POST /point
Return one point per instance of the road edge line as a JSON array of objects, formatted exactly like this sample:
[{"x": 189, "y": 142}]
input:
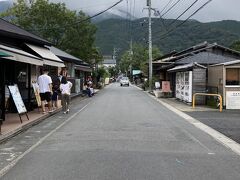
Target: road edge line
[
  {"x": 15, "y": 161},
  {"x": 221, "y": 138}
]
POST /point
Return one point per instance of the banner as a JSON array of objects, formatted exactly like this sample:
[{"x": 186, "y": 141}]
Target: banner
[{"x": 17, "y": 99}]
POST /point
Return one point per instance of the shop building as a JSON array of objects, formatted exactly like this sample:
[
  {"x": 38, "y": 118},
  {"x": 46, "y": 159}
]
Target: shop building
[
  {"x": 226, "y": 77},
  {"x": 23, "y": 55},
  {"x": 76, "y": 69},
  {"x": 174, "y": 67}
]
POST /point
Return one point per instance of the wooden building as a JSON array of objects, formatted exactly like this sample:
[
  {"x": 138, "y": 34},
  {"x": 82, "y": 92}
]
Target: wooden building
[
  {"x": 204, "y": 54},
  {"x": 226, "y": 77},
  {"x": 24, "y": 54}
]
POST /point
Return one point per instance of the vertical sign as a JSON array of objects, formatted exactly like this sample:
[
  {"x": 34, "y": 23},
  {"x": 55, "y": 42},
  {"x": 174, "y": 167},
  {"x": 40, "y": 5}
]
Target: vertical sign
[
  {"x": 36, "y": 93},
  {"x": 166, "y": 86}
]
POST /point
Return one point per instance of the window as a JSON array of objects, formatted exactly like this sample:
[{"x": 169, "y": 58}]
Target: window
[{"x": 232, "y": 76}]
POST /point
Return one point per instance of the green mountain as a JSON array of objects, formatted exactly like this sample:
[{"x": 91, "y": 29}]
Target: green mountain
[
  {"x": 4, "y": 5},
  {"x": 116, "y": 33}
]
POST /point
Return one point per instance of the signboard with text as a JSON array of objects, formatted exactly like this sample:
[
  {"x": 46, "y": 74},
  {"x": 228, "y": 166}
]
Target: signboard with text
[
  {"x": 36, "y": 93},
  {"x": 17, "y": 99},
  {"x": 233, "y": 100}
]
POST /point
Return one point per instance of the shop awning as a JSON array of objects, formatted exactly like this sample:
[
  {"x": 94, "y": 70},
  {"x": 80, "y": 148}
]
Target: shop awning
[
  {"x": 83, "y": 68},
  {"x": 20, "y": 56},
  {"x": 48, "y": 57},
  {"x": 186, "y": 67},
  {"x": 3, "y": 54}
]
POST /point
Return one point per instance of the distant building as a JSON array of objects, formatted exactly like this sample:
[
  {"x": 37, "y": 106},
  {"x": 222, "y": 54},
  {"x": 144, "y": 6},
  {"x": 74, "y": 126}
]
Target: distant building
[{"x": 108, "y": 61}]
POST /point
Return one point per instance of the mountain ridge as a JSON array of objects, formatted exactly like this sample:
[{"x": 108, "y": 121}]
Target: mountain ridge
[{"x": 116, "y": 33}]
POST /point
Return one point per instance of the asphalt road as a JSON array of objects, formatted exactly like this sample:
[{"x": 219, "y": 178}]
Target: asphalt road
[
  {"x": 226, "y": 122},
  {"x": 123, "y": 134}
]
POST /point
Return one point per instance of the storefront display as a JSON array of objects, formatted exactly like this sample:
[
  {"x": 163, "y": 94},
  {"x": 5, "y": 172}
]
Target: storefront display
[{"x": 184, "y": 86}]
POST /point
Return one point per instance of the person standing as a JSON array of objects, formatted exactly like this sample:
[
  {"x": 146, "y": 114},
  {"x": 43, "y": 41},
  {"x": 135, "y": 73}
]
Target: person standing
[
  {"x": 55, "y": 88},
  {"x": 45, "y": 89},
  {"x": 65, "y": 88}
]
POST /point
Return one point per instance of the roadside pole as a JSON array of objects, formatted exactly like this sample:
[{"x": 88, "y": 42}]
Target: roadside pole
[{"x": 150, "y": 42}]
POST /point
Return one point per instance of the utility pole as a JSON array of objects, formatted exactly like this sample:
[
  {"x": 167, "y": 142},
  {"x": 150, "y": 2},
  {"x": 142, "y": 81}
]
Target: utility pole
[
  {"x": 131, "y": 56},
  {"x": 149, "y": 4}
]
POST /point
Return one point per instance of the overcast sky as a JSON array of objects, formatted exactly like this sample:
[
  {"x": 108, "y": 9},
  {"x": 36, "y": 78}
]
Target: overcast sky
[{"x": 214, "y": 11}]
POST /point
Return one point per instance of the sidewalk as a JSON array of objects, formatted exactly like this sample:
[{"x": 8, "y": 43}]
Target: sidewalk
[
  {"x": 226, "y": 122},
  {"x": 12, "y": 126}
]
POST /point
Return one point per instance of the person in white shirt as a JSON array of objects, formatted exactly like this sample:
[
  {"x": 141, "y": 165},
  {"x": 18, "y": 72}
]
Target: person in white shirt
[
  {"x": 65, "y": 88},
  {"x": 45, "y": 89}
]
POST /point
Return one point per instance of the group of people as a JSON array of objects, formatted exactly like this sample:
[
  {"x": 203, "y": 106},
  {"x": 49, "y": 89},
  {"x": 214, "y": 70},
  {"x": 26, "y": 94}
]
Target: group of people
[{"x": 53, "y": 89}]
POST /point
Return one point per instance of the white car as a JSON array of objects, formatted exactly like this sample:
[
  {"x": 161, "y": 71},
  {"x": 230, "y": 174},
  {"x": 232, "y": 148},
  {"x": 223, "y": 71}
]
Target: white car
[{"x": 124, "y": 81}]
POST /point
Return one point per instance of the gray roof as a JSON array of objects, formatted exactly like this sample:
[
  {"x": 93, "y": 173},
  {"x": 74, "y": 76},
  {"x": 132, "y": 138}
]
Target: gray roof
[
  {"x": 10, "y": 30},
  {"x": 205, "y": 58},
  {"x": 228, "y": 63},
  {"x": 63, "y": 54},
  {"x": 186, "y": 67}
]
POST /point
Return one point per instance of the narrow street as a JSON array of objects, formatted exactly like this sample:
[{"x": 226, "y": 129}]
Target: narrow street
[{"x": 123, "y": 134}]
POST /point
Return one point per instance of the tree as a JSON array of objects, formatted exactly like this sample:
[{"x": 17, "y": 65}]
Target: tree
[
  {"x": 138, "y": 59},
  {"x": 113, "y": 71},
  {"x": 235, "y": 45},
  {"x": 66, "y": 29}
]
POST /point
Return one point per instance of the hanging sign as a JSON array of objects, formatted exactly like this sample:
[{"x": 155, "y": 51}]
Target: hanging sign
[
  {"x": 36, "y": 93},
  {"x": 17, "y": 99}
]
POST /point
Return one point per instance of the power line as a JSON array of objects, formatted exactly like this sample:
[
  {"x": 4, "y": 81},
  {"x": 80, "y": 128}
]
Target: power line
[
  {"x": 163, "y": 36},
  {"x": 171, "y": 8},
  {"x": 78, "y": 22},
  {"x": 183, "y": 12},
  {"x": 169, "y": 2}
]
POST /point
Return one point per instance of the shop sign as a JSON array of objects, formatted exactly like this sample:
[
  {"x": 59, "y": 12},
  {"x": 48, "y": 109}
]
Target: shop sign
[
  {"x": 233, "y": 100},
  {"x": 36, "y": 93},
  {"x": 17, "y": 99},
  {"x": 166, "y": 86}
]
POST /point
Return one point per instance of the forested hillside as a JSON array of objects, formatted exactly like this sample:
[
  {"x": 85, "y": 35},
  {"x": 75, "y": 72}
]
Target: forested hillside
[{"x": 116, "y": 33}]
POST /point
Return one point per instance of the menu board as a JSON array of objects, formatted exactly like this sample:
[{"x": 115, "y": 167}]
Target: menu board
[
  {"x": 36, "y": 93},
  {"x": 17, "y": 99}
]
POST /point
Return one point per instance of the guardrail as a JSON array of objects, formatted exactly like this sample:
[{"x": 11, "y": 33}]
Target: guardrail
[{"x": 206, "y": 94}]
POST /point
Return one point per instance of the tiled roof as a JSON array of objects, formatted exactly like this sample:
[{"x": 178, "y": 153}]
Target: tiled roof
[
  {"x": 63, "y": 54},
  {"x": 11, "y": 30},
  {"x": 185, "y": 67},
  {"x": 204, "y": 58}
]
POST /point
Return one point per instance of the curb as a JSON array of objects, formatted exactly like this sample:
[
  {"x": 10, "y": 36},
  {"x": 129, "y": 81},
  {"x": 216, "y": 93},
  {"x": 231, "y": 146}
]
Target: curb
[{"x": 11, "y": 134}]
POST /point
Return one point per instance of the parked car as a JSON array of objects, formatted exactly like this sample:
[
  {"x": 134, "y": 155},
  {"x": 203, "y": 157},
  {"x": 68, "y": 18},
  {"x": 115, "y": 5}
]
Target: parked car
[{"x": 124, "y": 81}]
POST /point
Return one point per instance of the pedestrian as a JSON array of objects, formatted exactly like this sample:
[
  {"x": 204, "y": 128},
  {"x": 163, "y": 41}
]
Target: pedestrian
[
  {"x": 65, "y": 88},
  {"x": 56, "y": 91},
  {"x": 45, "y": 89}
]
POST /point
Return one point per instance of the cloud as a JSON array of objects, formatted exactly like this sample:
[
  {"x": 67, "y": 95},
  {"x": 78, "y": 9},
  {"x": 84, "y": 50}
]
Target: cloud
[{"x": 214, "y": 11}]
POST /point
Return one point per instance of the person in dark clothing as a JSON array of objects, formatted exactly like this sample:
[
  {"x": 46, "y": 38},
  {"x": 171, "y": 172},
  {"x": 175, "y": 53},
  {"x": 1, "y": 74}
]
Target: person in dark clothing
[{"x": 56, "y": 91}]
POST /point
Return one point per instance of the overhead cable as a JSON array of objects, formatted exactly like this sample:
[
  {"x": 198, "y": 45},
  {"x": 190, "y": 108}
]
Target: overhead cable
[
  {"x": 81, "y": 21},
  {"x": 183, "y": 12},
  {"x": 163, "y": 36},
  {"x": 170, "y": 8}
]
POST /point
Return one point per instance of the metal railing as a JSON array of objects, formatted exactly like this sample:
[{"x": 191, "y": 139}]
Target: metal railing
[{"x": 206, "y": 94}]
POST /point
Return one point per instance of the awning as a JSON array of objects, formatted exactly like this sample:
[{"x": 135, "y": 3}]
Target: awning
[
  {"x": 83, "y": 68},
  {"x": 186, "y": 67},
  {"x": 20, "y": 56},
  {"x": 48, "y": 57},
  {"x": 3, "y": 54}
]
